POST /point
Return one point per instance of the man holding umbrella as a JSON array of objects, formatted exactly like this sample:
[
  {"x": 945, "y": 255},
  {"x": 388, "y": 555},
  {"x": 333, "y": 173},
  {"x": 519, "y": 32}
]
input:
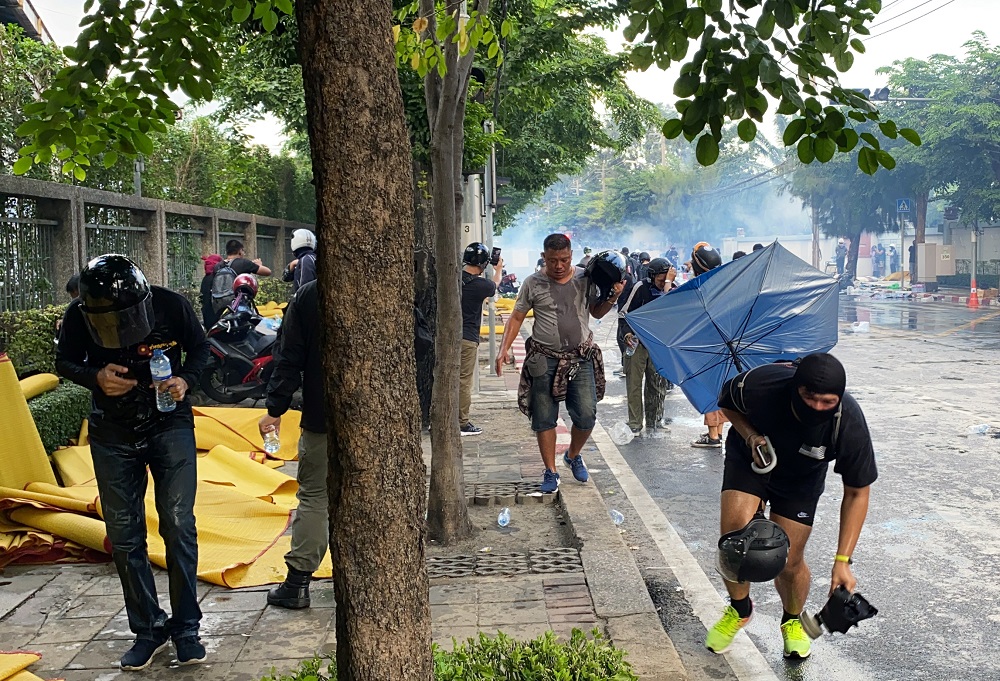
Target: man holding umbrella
[{"x": 798, "y": 418}]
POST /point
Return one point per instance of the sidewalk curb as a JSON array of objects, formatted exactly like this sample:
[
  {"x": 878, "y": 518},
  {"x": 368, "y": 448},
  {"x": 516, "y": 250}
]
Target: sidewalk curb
[{"x": 617, "y": 587}]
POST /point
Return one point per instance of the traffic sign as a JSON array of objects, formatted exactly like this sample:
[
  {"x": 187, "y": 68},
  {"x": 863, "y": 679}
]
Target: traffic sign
[{"x": 902, "y": 205}]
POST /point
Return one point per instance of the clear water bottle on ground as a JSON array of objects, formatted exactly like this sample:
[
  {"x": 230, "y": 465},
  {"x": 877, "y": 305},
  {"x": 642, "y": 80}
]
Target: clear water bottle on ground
[
  {"x": 631, "y": 344},
  {"x": 980, "y": 429},
  {"x": 616, "y": 517},
  {"x": 621, "y": 434},
  {"x": 271, "y": 442},
  {"x": 503, "y": 520},
  {"x": 159, "y": 367}
]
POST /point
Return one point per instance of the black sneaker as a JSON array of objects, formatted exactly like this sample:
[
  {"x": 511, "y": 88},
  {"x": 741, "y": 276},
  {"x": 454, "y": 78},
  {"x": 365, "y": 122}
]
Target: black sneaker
[
  {"x": 190, "y": 650},
  {"x": 635, "y": 431},
  {"x": 469, "y": 429},
  {"x": 141, "y": 654},
  {"x": 708, "y": 443}
]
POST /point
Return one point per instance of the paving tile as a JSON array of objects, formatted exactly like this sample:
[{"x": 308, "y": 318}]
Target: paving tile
[
  {"x": 443, "y": 636},
  {"x": 70, "y": 630},
  {"x": 447, "y": 594},
  {"x": 233, "y": 601},
  {"x": 521, "y": 632},
  {"x": 506, "y": 593},
  {"x": 111, "y": 674},
  {"x": 577, "y": 602},
  {"x": 55, "y": 656},
  {"x": 17, "y": 636},
  {"x": 105, "y": 654},
  {"x": 116, "y": 627},
  {"x": 105, "y": 586},
  {"x": 228, "y": 623},
  {"x": 518, "y": 612},
  {"x": 285, "y": 634},
  {"x": 254, "y": 670},
  {"x": 94, "y": 606},
  {"x": 210, "y": 671},
  {"x": 322, "y": 598},
  {"x": 454, "y": 615},
  {"x": 222, "y": 648},
  {"x": 564, "y": 580}
]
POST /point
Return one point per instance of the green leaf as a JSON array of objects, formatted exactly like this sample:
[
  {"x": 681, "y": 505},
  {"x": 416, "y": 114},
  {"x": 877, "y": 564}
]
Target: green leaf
[
  {"x": 285, "y": 7},
  {"x": 888, "y": 129},
  {"x": 29, "y": 128},
  {"x": 241, "y": 13},
  {"x": 765, "y": 25},
  {"x": 885, "y": 159},
  {"x": 672, "y": 128},
  {"x": 707, "y": 151},
  {"x": 79, "y": 173},
  {"x": 805, "y": 150},
  {"x": 262, "y": 8},
  {"x": 858, "y": 46},
  {"x": 784, "y": 14},
  {"x": 910, "y": 135},
  {"x": 825, "y": 148},
  {"x": 747, "y": 130},
  {"x": 636, "y": 24},
  {"x": 871, "y": 140},
  {"x": 769, "y": 70},
  {"x": 505, "y": 28},
  {"x": 493, "y": 50},
  {"x": 270, "y": 21},
  {"x": 847, "y": 140},
  {"x": 642, "y": 56},
  {"x": 687, "y": 85},
  {"x": 794, "y": 131},
  {"x": 867, "y": 161},
  {"x": 844, "y": 60},
  {"x": 143, "y": 144},
  {"x": 23, "y": 165}
]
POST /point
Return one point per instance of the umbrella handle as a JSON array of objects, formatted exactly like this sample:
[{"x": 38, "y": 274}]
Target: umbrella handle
[{"x": 764, "y": 458}]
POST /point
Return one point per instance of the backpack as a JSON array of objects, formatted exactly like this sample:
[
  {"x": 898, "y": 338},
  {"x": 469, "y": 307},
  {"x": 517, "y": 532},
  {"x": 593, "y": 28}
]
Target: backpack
[{"x": 222, "y": 286}]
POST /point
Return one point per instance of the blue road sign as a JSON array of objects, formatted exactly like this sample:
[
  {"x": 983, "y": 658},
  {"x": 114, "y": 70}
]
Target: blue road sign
[{"x": 902, "y": 205}]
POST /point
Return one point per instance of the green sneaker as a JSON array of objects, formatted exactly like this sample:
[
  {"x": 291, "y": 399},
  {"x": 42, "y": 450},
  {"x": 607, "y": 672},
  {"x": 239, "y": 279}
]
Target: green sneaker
[
  {"x": 797, "y": 642},
  {"x": 721, "y": 636}
]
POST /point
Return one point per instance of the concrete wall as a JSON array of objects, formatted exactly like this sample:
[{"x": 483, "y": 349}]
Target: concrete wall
[{"x": 66, "y": 204}]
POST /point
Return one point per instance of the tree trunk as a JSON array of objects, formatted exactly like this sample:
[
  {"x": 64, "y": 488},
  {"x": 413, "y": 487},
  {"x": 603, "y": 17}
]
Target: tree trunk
[
  {"x": 920, "y": 201},
  {"x": 361, "y": 162},
  {"x": 425, "y": 283},
  {"x": 448, "y": 514},
  {"x": 851, "y": 268}
]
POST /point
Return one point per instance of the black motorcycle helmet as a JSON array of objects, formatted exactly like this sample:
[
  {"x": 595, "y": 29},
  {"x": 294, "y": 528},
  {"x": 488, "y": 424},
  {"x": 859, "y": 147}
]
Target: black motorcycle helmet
[
  {"x": 476, "y": 255},
  {"x": 704, "y": 258},
  {"x": 656, "y": 267},
  {"x": 606, "y": 269},
  {"x": 116, "y": 301},
  {"x": 757, "y": 553},
  {"x": 644, "y": 257}
]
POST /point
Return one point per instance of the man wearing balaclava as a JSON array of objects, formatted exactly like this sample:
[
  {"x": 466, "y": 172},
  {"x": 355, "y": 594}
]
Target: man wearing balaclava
[{"x": 810, "y": 421}]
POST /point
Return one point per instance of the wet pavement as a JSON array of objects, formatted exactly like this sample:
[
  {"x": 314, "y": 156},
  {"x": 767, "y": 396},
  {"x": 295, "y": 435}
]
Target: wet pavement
[{"x": 924, "y": 373}]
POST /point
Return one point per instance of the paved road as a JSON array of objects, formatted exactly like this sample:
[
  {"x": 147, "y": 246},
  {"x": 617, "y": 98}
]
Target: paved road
[{"x": 924, "y": 373}]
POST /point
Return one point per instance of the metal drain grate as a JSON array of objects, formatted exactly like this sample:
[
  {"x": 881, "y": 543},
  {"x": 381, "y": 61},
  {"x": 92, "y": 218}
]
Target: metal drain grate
[
  {"x": 557, "y": 560},
  {"x": 539, "y": 561},
  {"x": 507, "y": 493}
]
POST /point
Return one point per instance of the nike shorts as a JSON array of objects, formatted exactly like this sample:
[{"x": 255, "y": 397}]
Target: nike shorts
[{"x": 800, "y": 507}]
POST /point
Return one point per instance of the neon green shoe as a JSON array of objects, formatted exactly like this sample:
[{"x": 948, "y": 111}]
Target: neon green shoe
[
  {"x": 721, "y": 636},
  {"x": 797, "y": 642}
]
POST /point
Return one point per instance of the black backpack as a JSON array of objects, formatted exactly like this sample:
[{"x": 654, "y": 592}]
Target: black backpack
[{"x": 222, "y": 286}]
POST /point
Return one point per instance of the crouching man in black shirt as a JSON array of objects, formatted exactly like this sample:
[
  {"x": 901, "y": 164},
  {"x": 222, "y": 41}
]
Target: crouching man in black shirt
[
  {"x": 107, "y": 338},
  {"x": 810, "y": 421}
]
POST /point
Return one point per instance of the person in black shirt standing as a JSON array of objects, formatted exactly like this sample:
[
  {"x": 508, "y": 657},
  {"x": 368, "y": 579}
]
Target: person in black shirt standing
[
  {"x": 107, "y": 338},
  {"x": 810, "y": 421},
  {"x": 297, "y": 362},
  {"x": 475, "y": 289}
]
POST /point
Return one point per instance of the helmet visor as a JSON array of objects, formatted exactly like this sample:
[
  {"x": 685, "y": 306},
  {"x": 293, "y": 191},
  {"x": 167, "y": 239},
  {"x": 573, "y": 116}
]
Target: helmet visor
[
  {"x": 729, "y": 558},
  {"x": 121, "y": 328}
]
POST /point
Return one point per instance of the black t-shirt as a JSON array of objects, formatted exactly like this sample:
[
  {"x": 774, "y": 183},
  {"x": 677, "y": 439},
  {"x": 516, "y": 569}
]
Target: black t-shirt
[
  {"x": 475, "y": 290},
  {"x": 765, "y": 399},
  {"x": 242, "y": 265},
  {"x": 130, "y": 417}
]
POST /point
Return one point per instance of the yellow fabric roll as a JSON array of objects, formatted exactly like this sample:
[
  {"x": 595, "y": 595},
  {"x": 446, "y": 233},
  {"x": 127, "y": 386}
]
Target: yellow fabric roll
[
  {"x": 242, "y": 423},
  {"x": 22, "y": 458},
  {"x": 33, "y": 386},
  {"x": 485, "y": 330},
  {"x": 84, "y": 437},
  {"x": 14, "y": 663},
  {"x": 74, "y": 465},
  {"x": 223, "y": 466},
  {"x": 81, "y": 529}
]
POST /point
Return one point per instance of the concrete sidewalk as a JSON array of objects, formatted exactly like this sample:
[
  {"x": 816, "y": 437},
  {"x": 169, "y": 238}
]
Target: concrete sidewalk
[{"x": 73, "y": 614}]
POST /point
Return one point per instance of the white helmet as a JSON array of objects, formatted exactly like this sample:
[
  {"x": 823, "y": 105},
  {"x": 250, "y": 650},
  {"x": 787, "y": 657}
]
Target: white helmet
[
  {"x": 302, "y": 238},
  {"x": 840, "y": 241}
]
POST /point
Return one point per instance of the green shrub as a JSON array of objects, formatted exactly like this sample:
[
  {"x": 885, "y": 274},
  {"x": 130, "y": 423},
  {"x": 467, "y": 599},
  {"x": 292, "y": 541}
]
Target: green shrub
[
  {"x": 272, "y": 288},
  {"x": 505, "y": 659},
  {"x": 59, "y": 413},
  {"x": 28, "y": 337}
]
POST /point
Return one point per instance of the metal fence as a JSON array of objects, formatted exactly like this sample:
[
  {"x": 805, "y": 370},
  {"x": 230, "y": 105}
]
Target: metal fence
[
  {"x": 110, "y": 230},
  {"x": 267, "y": 247},
  {"x": 27, "y": 259},
  {"x": 183, "y": 253},
  {"x": 229, "y": 230}
]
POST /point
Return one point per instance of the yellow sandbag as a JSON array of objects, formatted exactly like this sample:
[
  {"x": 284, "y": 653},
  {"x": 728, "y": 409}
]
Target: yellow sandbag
[
  {"x": 22, "y": 456},
  {"x": 33, "y": 386},
  {"x": 15, "y": 662},
  {"x": 485, "y": 330},
  {"x": 242, "y": 423}
]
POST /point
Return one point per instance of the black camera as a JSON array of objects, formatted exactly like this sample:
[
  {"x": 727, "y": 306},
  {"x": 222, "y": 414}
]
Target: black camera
[{"x": 843, "y": 611}]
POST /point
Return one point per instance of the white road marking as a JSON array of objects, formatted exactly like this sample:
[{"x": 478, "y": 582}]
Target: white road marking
[{"x": 743, "y": 657}]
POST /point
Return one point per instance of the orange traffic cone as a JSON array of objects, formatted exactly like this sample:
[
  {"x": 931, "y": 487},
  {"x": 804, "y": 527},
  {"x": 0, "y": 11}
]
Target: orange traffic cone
[{"x": 973, "y": 297}]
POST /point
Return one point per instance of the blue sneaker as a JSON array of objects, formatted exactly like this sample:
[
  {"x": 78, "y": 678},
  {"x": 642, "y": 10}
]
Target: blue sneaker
[
  {"x": 550, "y": 482},
  {"x": 141, "y": 654},
  {"x": 189, "y": 650},
  {"x": 578, "y": 467}
]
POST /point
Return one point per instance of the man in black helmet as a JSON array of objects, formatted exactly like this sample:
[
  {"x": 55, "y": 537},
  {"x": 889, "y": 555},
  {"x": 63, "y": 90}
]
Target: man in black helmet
[
  {"x": 475, "y": 289},
  {"x": 810, "y": 420},
  {"x": 107, "y": 339}
]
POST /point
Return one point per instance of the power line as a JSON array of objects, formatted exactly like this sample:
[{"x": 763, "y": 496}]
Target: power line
[
  {"x": 912, "y": 9},
  {"x": 912, "y": 20}
]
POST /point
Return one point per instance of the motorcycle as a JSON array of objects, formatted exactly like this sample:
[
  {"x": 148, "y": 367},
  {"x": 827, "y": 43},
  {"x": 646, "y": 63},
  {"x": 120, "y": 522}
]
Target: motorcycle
[{"x": 241, "y": 343}]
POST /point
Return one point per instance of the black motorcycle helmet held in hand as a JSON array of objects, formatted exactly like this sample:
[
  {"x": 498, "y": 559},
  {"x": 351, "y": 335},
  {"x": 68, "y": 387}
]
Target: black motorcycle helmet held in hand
[
  {"x": 476, "y": 254},
  {"x": 756, "y": 553},
  {"x": 604, "y": 270},
  {"x": 116, "y": 301}
]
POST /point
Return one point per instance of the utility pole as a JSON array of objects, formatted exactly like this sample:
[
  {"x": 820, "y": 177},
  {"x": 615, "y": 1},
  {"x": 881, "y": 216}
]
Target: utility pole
[
  {"x": 815, "y": 229},
  {"x": 490, "y": 204},
  {"x": 138, "y": 168}
]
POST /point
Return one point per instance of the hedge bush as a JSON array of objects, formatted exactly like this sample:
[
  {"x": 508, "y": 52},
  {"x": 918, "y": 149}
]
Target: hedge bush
[
  {"x": 28, "y": 337},
  {"x": 505, "y": 659},
  {"x": 59, "y": 413},
  {"x": 272, "y": 288}
]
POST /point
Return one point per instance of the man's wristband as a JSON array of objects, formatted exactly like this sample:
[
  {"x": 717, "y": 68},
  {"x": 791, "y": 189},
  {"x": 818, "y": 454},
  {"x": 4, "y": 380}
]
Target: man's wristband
[{"x": 841, "y": 558}]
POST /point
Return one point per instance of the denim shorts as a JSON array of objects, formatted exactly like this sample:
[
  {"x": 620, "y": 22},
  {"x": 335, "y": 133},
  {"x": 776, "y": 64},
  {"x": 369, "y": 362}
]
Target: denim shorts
[{"x": 581, "y": 395}]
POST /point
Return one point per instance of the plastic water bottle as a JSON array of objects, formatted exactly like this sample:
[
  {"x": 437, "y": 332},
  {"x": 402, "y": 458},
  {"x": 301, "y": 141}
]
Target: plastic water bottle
[
  {"x": 980, "y": 429},
  {"x": 631, "y": 344},
  {"x": 503, "y": 520},
  {"x": 159, "y": 367},
  {"x": 616, "y": 517},
  {"x": 271, "y": 442}
]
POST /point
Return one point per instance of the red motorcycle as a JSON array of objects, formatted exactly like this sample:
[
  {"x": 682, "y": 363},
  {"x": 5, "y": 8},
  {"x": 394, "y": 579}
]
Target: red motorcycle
[{"x": 241, "y": 343}]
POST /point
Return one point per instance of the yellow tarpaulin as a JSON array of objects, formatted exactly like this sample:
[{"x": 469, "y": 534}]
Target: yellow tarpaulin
[
  {"x": 13, "y": 666},
  {"x": 242, "y": 508},
  {"x": 33, "y": 386}
]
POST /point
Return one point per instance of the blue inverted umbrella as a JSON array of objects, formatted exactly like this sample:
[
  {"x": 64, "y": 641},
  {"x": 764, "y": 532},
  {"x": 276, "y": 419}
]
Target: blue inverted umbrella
[{"x": 766, "y": 306}]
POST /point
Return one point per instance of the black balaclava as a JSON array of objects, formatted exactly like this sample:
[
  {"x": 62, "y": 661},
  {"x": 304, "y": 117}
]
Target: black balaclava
[{"x": 822, "y": 374}]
